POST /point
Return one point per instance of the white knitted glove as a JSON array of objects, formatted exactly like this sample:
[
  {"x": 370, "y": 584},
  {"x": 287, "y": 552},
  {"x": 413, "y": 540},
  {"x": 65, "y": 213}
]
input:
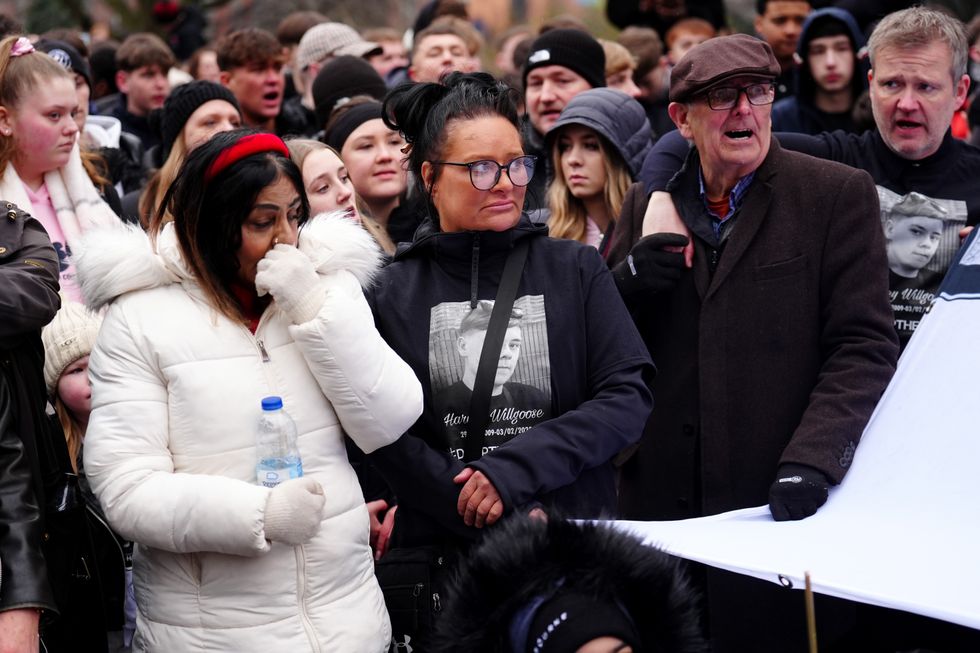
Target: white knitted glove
[
  {"x": 290, "y": 277},
  {"x": 294, "y": 510}
]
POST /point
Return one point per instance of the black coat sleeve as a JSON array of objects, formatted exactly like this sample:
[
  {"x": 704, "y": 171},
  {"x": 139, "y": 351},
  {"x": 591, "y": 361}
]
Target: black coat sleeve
[
  {"x": 663, "y": 161},
  {"x": 28, "y": 275}
]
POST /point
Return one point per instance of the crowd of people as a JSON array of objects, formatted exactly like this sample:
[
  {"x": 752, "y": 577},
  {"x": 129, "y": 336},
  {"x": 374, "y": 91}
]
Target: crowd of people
[{"x": 652, "y": 278}]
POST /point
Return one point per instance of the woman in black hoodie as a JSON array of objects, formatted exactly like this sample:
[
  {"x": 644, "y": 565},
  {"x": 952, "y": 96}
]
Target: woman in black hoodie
[{"x": 565, "y": 389}]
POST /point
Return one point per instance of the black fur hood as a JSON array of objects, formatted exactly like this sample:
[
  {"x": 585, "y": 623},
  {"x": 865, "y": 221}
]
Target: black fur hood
[{"x": 525, "y": 558}]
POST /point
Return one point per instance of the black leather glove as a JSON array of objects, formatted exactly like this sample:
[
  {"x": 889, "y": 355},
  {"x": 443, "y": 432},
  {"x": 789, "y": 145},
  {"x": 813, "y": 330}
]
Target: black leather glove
[
  {"x": 649, "y": 268},
  {"x": 797, "y": 493}
]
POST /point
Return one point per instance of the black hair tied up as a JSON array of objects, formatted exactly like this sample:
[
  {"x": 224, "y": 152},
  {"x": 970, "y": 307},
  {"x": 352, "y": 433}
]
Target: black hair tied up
[{"x": 422, "y": 111}]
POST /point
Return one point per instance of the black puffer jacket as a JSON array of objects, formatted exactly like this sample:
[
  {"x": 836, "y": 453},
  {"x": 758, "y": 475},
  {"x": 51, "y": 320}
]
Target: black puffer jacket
[{"x": 526, "y": 558}]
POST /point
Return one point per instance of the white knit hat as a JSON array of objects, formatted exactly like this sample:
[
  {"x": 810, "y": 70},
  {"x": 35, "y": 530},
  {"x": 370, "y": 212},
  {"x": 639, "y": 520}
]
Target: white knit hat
[{"x": 69, "y": 336}]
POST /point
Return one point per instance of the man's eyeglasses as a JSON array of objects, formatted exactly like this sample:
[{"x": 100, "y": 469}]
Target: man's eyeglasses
[
  {"x": 485, "y": 174},
  {"x": 726, "y": 97}
]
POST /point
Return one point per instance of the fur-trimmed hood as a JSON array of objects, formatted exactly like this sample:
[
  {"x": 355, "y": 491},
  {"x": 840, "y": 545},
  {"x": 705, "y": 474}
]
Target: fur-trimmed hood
[
  {"x": 523, "y": 559},
  {"x": 119, "y": 259}
]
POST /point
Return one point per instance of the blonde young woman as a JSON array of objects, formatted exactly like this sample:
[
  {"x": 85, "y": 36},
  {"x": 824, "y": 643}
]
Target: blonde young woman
[
  {"x": 41, "y": 169},
  {"x": 597, "y": 147},
  {"x": 191, "y": 115},
  {"x": 329, "y": 188}
]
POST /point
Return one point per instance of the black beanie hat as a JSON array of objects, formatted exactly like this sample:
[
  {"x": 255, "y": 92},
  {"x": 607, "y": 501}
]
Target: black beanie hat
[
  {"x": 180, "y": 104},
  {"x": 341, "y": 79},
  {"x": 571, "y": 620},
  {"x": 353, "y": 118},
  {"x": 69, "y": 58},
  {"x": 571, "y": 48}
]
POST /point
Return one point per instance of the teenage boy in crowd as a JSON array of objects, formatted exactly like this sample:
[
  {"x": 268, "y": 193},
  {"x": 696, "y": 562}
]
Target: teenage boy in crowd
[
  {"x": 779, "y": 23},
  {"x": 684, "y": 35},
  {"x": 829, "y": 79},
  {"x": 393, "y": 53},
  {"x": 251, "y": 62},
  {"x": 652, "y": 75},
  {"x": 448, "y": 44},
  {"x": 142, "y": 64}
]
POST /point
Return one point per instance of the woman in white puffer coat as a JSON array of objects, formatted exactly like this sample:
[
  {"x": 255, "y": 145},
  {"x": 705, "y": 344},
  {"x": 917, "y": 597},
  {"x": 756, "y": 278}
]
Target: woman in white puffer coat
[{"x": 217, "y": 311}]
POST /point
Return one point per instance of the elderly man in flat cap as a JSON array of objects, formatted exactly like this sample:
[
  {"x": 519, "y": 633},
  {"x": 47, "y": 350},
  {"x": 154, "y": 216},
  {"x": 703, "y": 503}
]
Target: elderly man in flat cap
[{"x": 774, "y": 348}]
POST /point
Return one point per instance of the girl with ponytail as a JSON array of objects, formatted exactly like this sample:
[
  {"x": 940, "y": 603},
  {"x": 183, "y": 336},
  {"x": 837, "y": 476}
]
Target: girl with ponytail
[{"x": 41, "y": 169}]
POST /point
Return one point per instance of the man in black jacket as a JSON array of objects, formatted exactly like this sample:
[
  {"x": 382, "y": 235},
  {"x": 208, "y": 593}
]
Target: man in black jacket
[{"x": 28, "y": 301}]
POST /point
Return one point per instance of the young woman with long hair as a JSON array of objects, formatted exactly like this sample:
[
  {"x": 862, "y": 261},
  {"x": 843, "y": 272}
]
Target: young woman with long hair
[
  {"x": 41, "y": 168},
  {"x": 597, "y": 147},
  {"x": 329, "y": 187}
]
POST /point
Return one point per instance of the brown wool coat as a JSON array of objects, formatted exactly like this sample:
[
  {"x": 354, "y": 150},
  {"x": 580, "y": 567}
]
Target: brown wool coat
[{"x": 778, "y": 357}]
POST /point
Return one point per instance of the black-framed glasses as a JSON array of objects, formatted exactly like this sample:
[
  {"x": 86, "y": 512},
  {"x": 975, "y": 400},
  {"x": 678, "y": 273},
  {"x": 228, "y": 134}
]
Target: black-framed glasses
[
  {"x": 485, "y": 174},
  {"x": 726, "y": 97}
]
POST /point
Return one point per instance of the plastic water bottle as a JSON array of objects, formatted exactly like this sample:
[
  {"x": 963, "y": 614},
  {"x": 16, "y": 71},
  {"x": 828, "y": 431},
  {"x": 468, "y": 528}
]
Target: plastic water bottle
[{"x": 276, "y": 448}]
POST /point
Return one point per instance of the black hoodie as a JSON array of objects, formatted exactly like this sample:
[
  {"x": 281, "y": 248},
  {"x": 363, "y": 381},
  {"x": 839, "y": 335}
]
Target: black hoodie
[
  {"x": 799, "y": 112},
  {"x": 578, "y": 350}
]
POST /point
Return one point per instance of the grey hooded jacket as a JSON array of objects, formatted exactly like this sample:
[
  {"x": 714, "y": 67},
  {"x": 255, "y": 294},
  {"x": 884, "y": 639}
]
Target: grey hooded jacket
[{"x": 617, "y": 117}]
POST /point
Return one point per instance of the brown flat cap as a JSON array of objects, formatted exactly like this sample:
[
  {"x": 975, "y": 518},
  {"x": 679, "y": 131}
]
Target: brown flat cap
[{"x": 718, "y": 59}]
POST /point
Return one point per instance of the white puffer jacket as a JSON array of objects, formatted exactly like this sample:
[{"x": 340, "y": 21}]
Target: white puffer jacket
[{"x": 170, "y": 447}]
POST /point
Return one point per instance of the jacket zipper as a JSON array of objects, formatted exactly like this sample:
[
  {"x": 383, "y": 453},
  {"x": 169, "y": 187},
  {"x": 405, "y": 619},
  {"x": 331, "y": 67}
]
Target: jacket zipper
[
  {"x": 299, "y": 550},
  {"x": 263, "y": 353},
  {"x": 301, "y": 591}
]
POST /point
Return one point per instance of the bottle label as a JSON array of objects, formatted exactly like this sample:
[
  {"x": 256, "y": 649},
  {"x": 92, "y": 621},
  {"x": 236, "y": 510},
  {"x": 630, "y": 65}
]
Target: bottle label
[{"x": 271, "y": 473}]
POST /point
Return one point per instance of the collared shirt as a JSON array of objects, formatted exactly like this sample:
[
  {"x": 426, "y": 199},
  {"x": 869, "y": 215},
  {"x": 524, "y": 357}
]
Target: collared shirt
[{"x": 720, "y": 224}]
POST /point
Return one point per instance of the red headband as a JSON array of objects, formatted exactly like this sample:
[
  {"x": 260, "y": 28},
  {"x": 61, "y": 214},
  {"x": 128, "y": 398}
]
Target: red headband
[{"x": 245, "y": 146}]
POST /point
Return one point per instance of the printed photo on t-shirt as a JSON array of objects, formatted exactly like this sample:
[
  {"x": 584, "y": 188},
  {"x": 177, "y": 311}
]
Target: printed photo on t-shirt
[
  {"x": 521, "y": 394},
  {"x": 921, "y": 239}
]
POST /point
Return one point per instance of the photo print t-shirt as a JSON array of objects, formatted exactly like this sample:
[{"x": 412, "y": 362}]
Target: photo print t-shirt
[
  {"x": 521, "y": 396},
  {"x": 921, "y": 239}
]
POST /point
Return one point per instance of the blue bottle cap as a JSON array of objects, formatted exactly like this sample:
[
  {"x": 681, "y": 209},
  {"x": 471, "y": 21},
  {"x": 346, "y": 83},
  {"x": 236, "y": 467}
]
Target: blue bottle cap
[{"x": 271, "y": 403}]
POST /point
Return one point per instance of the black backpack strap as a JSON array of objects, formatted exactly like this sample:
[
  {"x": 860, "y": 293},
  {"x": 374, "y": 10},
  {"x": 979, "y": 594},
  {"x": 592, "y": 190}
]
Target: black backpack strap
[{"x": 493, "y": 342}]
